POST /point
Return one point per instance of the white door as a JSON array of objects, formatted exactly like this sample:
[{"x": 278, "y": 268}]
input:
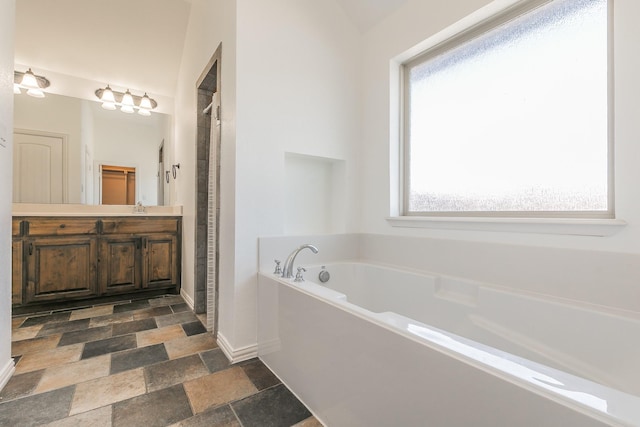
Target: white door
[{"x": 38, "y": 168}]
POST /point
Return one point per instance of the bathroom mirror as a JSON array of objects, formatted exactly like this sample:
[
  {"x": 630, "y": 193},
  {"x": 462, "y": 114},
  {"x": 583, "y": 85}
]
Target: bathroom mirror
[{"x": 62, "y": 144}]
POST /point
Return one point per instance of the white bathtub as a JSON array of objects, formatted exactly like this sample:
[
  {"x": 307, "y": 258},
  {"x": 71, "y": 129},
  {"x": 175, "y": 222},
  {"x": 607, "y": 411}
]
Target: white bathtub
[{"x": 377, "y": 346}]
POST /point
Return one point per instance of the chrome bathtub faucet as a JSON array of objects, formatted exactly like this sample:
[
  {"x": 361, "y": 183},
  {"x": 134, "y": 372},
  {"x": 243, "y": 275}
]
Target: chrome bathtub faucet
[
  {"x": 299, "y": 274},
  {"x": 278, "y": 269},
  {"x": 287, "y": 269}
]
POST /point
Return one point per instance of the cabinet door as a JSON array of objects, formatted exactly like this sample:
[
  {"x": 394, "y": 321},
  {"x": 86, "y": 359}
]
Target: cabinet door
[
  {"x": 60, "y": 267},
  {"x": 16, "y": 272},
  {"x": 120, "y": 266},
  {"x": 160, "y": 260}
]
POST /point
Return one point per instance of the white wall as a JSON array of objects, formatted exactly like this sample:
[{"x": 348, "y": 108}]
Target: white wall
[
  {"x": 57, "y": 114},
  {"x": 210, "y": 23},
  {"x": 298, "y": 78},
  {"x": 315, "y": 201},
  {"x": 289, "y": 85},
  {"x": 417, "y": 21},
  {"x": 297, "y": 92},
  {"x": 7, "y": 11}
]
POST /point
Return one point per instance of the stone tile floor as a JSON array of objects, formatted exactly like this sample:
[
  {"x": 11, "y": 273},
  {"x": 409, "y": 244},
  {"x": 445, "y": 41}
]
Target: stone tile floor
[{"x": 137, "y": 363}]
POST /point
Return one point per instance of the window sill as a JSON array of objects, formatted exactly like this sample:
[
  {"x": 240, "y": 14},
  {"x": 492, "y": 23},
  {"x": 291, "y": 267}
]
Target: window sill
[{"x": 562, "y": 226}]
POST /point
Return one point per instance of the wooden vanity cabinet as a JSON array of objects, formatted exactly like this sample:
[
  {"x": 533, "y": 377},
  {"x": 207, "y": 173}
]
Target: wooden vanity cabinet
[{"x": 58, "y": 259}]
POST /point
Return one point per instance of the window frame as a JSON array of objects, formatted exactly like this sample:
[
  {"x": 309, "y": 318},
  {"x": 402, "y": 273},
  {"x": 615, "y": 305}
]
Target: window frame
[{"x": 504, "y": 16}]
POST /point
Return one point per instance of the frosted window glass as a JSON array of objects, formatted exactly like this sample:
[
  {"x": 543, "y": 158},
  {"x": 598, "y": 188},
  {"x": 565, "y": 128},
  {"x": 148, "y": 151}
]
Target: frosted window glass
[{"x": 516, "y": 119}]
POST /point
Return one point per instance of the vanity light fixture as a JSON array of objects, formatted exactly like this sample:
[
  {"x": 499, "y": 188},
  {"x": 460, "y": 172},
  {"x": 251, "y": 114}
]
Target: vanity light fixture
[
  {"x": 145, "y": 105},
  {"x": 30, "y": 82},
  {"x": 127, "y": 102},
  {"x": 107, "y": 98}
]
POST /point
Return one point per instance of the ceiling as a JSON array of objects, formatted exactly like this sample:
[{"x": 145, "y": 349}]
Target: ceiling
[
  {"x": 129, "y": 44},
  {"x": 134, "y": 44}
]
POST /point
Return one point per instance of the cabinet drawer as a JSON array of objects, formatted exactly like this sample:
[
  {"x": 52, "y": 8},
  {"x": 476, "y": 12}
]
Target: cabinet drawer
[
  {"x": 16, "y": 229},
  {"x": 139, "y": 225},
  {"x": 61, "y": 226}
]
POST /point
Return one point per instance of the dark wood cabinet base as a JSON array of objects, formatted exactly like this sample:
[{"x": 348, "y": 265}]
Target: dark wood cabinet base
[
  {"x": 69, "y": 259},
  {"x": 21, "y": 310}
]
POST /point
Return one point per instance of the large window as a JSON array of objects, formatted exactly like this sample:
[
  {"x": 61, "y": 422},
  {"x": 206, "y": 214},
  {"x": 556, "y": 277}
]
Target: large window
[{"x": 511, "y": 118}]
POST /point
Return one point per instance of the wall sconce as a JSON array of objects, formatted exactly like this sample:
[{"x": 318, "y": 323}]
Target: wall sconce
[
  {"x": 127, "y": 102},
  {"x": 30, "y": 82}
]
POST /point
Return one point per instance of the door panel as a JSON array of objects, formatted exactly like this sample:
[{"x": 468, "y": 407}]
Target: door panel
[
  {"x": 120, "y": 264},
  {"x": 38, "y": 174},
  {"x": 60, "y": 267},
  {"x": 161, "y": 260}
]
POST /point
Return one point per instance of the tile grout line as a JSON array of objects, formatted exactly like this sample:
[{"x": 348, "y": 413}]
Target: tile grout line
[
  {"x": 236, "y": 415},
  {"x": 193, "y": 411}
]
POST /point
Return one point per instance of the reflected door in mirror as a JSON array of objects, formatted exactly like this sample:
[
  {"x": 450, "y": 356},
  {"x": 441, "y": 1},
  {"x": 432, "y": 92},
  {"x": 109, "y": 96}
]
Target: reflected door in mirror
[
  {"x": 118, "y": 185},
  {"x": 38, "y": 167}
]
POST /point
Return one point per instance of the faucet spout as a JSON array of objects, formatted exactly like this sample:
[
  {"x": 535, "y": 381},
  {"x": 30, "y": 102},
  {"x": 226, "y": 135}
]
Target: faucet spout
[{"x": 287, "y": 270}]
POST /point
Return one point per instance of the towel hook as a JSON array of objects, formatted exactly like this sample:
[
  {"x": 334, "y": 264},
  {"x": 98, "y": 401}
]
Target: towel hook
[{"x": 174, "y": 171}]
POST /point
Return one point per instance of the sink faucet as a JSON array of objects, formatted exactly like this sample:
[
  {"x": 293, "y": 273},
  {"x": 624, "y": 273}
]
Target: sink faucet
[{"x": 287, "y": 270}]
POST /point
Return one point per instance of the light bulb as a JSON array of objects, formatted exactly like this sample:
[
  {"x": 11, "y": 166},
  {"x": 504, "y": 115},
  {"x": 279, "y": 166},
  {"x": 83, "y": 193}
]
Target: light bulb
[
  {"x": 16, "y": 89},
  {"x": 127, "y": 109},
  {"x": 127, "y": 100},
  {"x": 145, "y": 102},
  {"x": 109, "y": 105},
  {"x": 36, "y": 93},
  {"x": 144, "y": 112},
  {"x": 107, "y": 97},
  {"x": 29, "y": 80}
]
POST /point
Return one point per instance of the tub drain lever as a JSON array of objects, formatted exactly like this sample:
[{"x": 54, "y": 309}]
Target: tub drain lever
[{"x": 299, "y": 277}]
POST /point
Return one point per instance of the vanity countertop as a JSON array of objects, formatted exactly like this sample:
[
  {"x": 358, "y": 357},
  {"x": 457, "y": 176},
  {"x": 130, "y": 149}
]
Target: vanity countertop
[{"x": 32, "y": 209}]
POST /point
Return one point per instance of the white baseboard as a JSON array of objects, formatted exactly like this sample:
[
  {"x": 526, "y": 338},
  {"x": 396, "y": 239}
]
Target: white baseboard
[
  {"x": 6, "y": 372},
  {"x": 239, "y": 354},
  {"x": 187, "y": 299}
]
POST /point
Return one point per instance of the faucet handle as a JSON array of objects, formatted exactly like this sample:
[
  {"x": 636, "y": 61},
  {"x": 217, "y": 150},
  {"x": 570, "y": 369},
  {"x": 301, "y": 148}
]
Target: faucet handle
[
  {"x": 299, "y": 277},
  {"x": 278, "y": 269}
]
